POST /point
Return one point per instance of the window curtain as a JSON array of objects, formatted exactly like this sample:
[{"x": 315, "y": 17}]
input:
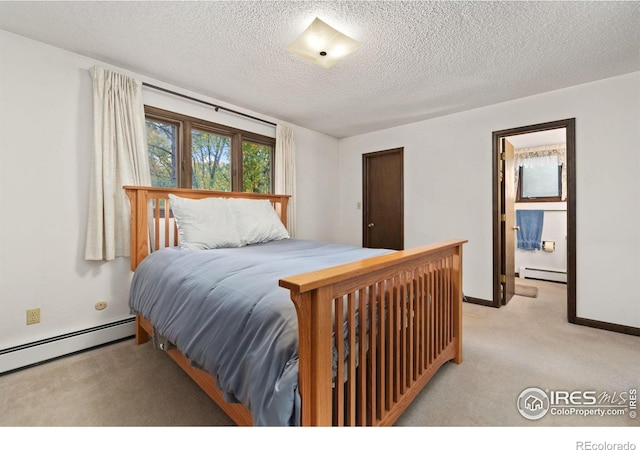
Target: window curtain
[
  {"x": 120, "y": 157},
  {"x": 285, "y": 172},
  {"x": 540, "y": 156}
]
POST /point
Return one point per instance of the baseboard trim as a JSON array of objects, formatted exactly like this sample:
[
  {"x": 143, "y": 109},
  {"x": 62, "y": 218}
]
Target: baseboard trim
[
  {"x": 617, "y": 328},
  {"x": 477, "y": 301},
  {"x": 558, "y": 276},
  {"x": 38, "y": 352}
]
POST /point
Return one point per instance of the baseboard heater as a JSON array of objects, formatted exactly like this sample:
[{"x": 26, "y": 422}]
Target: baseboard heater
[
  {"x": 38, "y": 352},
  {"x": 558, "y": 276}
]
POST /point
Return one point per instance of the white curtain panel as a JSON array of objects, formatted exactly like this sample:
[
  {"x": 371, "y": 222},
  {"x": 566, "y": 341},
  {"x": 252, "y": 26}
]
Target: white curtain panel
[
  {"x": 285, "y": 176},
  {"x": 120, "y": 157}
]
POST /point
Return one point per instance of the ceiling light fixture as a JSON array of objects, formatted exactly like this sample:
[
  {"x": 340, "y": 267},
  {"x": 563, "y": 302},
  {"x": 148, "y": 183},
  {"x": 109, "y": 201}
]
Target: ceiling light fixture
[{"x": 323, "y": 44}]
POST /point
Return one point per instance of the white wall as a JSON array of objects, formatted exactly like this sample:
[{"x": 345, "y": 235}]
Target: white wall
[
  {"x": 46, "y": 140},
  {"x": 554, "y": 228},
  {"x": 448, "y": 187}
]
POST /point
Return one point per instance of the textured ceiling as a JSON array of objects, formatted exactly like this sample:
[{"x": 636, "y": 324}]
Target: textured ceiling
[{"x": 418, "y": 59}]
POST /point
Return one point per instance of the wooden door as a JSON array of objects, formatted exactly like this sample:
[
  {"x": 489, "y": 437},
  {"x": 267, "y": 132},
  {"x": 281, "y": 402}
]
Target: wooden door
[
  {"x": 508, "y": 232},
  {"x": 499, "y": 228},
  {"x": 383, "y": 199}
]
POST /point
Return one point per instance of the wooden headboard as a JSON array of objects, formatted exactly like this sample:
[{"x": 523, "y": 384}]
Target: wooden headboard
[{"x": 152, "y": 228}]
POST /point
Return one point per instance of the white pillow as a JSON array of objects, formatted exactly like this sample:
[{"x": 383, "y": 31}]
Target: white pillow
[
  {"x": 205, "y": 223},
  {"x": 257, "y": 221}
]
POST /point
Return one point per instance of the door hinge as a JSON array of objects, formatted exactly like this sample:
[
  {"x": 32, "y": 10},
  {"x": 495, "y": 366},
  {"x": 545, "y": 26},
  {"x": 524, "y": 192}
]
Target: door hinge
[
  {"x": 503, "y": 156},
  {"x": 503, "y": 217},
  {"x": 503, "y": 278}
]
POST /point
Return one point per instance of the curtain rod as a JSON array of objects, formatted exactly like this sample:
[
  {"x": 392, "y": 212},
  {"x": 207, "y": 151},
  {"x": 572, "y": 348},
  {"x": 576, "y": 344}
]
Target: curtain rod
[{"x": 216, "y": 107}]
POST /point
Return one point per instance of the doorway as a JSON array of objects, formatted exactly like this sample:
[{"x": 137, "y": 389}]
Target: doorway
[
  {"x": 504, "y": 226},
  {"x": 383, "y": 199}
]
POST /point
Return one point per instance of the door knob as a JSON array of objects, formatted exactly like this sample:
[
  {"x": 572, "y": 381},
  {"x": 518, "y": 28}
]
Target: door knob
[
  {"x": 371, "y": 225},
  {"x": 516, "y": 228}
]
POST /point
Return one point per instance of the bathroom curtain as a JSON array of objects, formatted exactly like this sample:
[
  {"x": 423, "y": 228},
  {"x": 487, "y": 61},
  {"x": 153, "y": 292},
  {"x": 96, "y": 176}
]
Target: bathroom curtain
[{"x": 543, "y": 156}]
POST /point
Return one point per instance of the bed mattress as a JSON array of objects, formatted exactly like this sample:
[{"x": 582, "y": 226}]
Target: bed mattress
[{"x": 223, "y": 309}]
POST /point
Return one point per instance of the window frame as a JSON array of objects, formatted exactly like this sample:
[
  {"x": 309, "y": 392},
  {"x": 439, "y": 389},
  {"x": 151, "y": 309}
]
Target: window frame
[
  {"x": 185, "y": 124},
  {"x": 521, "y": 199}
]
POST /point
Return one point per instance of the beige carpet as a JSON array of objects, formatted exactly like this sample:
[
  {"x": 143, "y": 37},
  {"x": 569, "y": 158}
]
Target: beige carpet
[
  {"x": 506, "y": 350},
  {"x": 526, "y": 291}
]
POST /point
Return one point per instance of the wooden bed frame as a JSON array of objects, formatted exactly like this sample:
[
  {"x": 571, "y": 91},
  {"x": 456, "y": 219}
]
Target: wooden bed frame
[{"x": 413, "y": 303}]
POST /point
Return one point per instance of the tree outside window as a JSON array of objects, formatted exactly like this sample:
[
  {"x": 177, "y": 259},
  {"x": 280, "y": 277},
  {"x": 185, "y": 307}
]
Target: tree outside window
[{"x": 187, "y": 152}]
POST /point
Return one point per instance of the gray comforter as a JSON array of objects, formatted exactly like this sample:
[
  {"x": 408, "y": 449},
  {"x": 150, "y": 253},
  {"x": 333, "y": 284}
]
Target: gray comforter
[{"x": 223, "y": 309}]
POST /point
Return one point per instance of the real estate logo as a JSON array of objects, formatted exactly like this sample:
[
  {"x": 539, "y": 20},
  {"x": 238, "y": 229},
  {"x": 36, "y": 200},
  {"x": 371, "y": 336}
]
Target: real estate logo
[{"x": 533, "y": 403}]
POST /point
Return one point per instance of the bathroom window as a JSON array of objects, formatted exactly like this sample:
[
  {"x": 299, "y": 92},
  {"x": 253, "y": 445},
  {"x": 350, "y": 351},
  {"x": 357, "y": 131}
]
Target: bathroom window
[{"x": 540, "y": 180}]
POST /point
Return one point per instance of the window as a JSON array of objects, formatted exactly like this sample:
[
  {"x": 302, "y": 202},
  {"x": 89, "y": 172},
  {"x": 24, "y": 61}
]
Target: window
[
  {"x": 191, "y": 153},
  {"x": 539, "y": 180},
  {"x": 210, "y": 161},
  {"x": 162, "y": 141}
]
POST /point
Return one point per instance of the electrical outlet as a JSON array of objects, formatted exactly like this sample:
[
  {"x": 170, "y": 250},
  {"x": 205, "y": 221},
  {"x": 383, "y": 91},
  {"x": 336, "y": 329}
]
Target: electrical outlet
[
  {"x": 100, "y": 305},
  {"x": 33, "y": 316}
]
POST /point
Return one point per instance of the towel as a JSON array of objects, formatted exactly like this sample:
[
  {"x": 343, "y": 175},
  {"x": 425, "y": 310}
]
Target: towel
[{"x": 529, "y": 233}]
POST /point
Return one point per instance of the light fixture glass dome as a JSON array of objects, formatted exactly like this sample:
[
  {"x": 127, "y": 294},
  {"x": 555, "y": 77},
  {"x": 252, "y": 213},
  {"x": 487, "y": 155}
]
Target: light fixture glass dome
[{"x": 323, "y": 44}]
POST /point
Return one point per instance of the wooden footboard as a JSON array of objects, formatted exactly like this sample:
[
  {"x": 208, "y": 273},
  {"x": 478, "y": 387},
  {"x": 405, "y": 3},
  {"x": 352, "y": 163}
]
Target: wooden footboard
[
  {"x": 411, "y": 302},
  {"x": 403, "y": 316}
]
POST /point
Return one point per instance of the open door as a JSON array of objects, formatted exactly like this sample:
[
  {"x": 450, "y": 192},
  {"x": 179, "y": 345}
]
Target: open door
[
  {"x": 503, "y": 212},
  {"x": 508, "y": 227}
]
